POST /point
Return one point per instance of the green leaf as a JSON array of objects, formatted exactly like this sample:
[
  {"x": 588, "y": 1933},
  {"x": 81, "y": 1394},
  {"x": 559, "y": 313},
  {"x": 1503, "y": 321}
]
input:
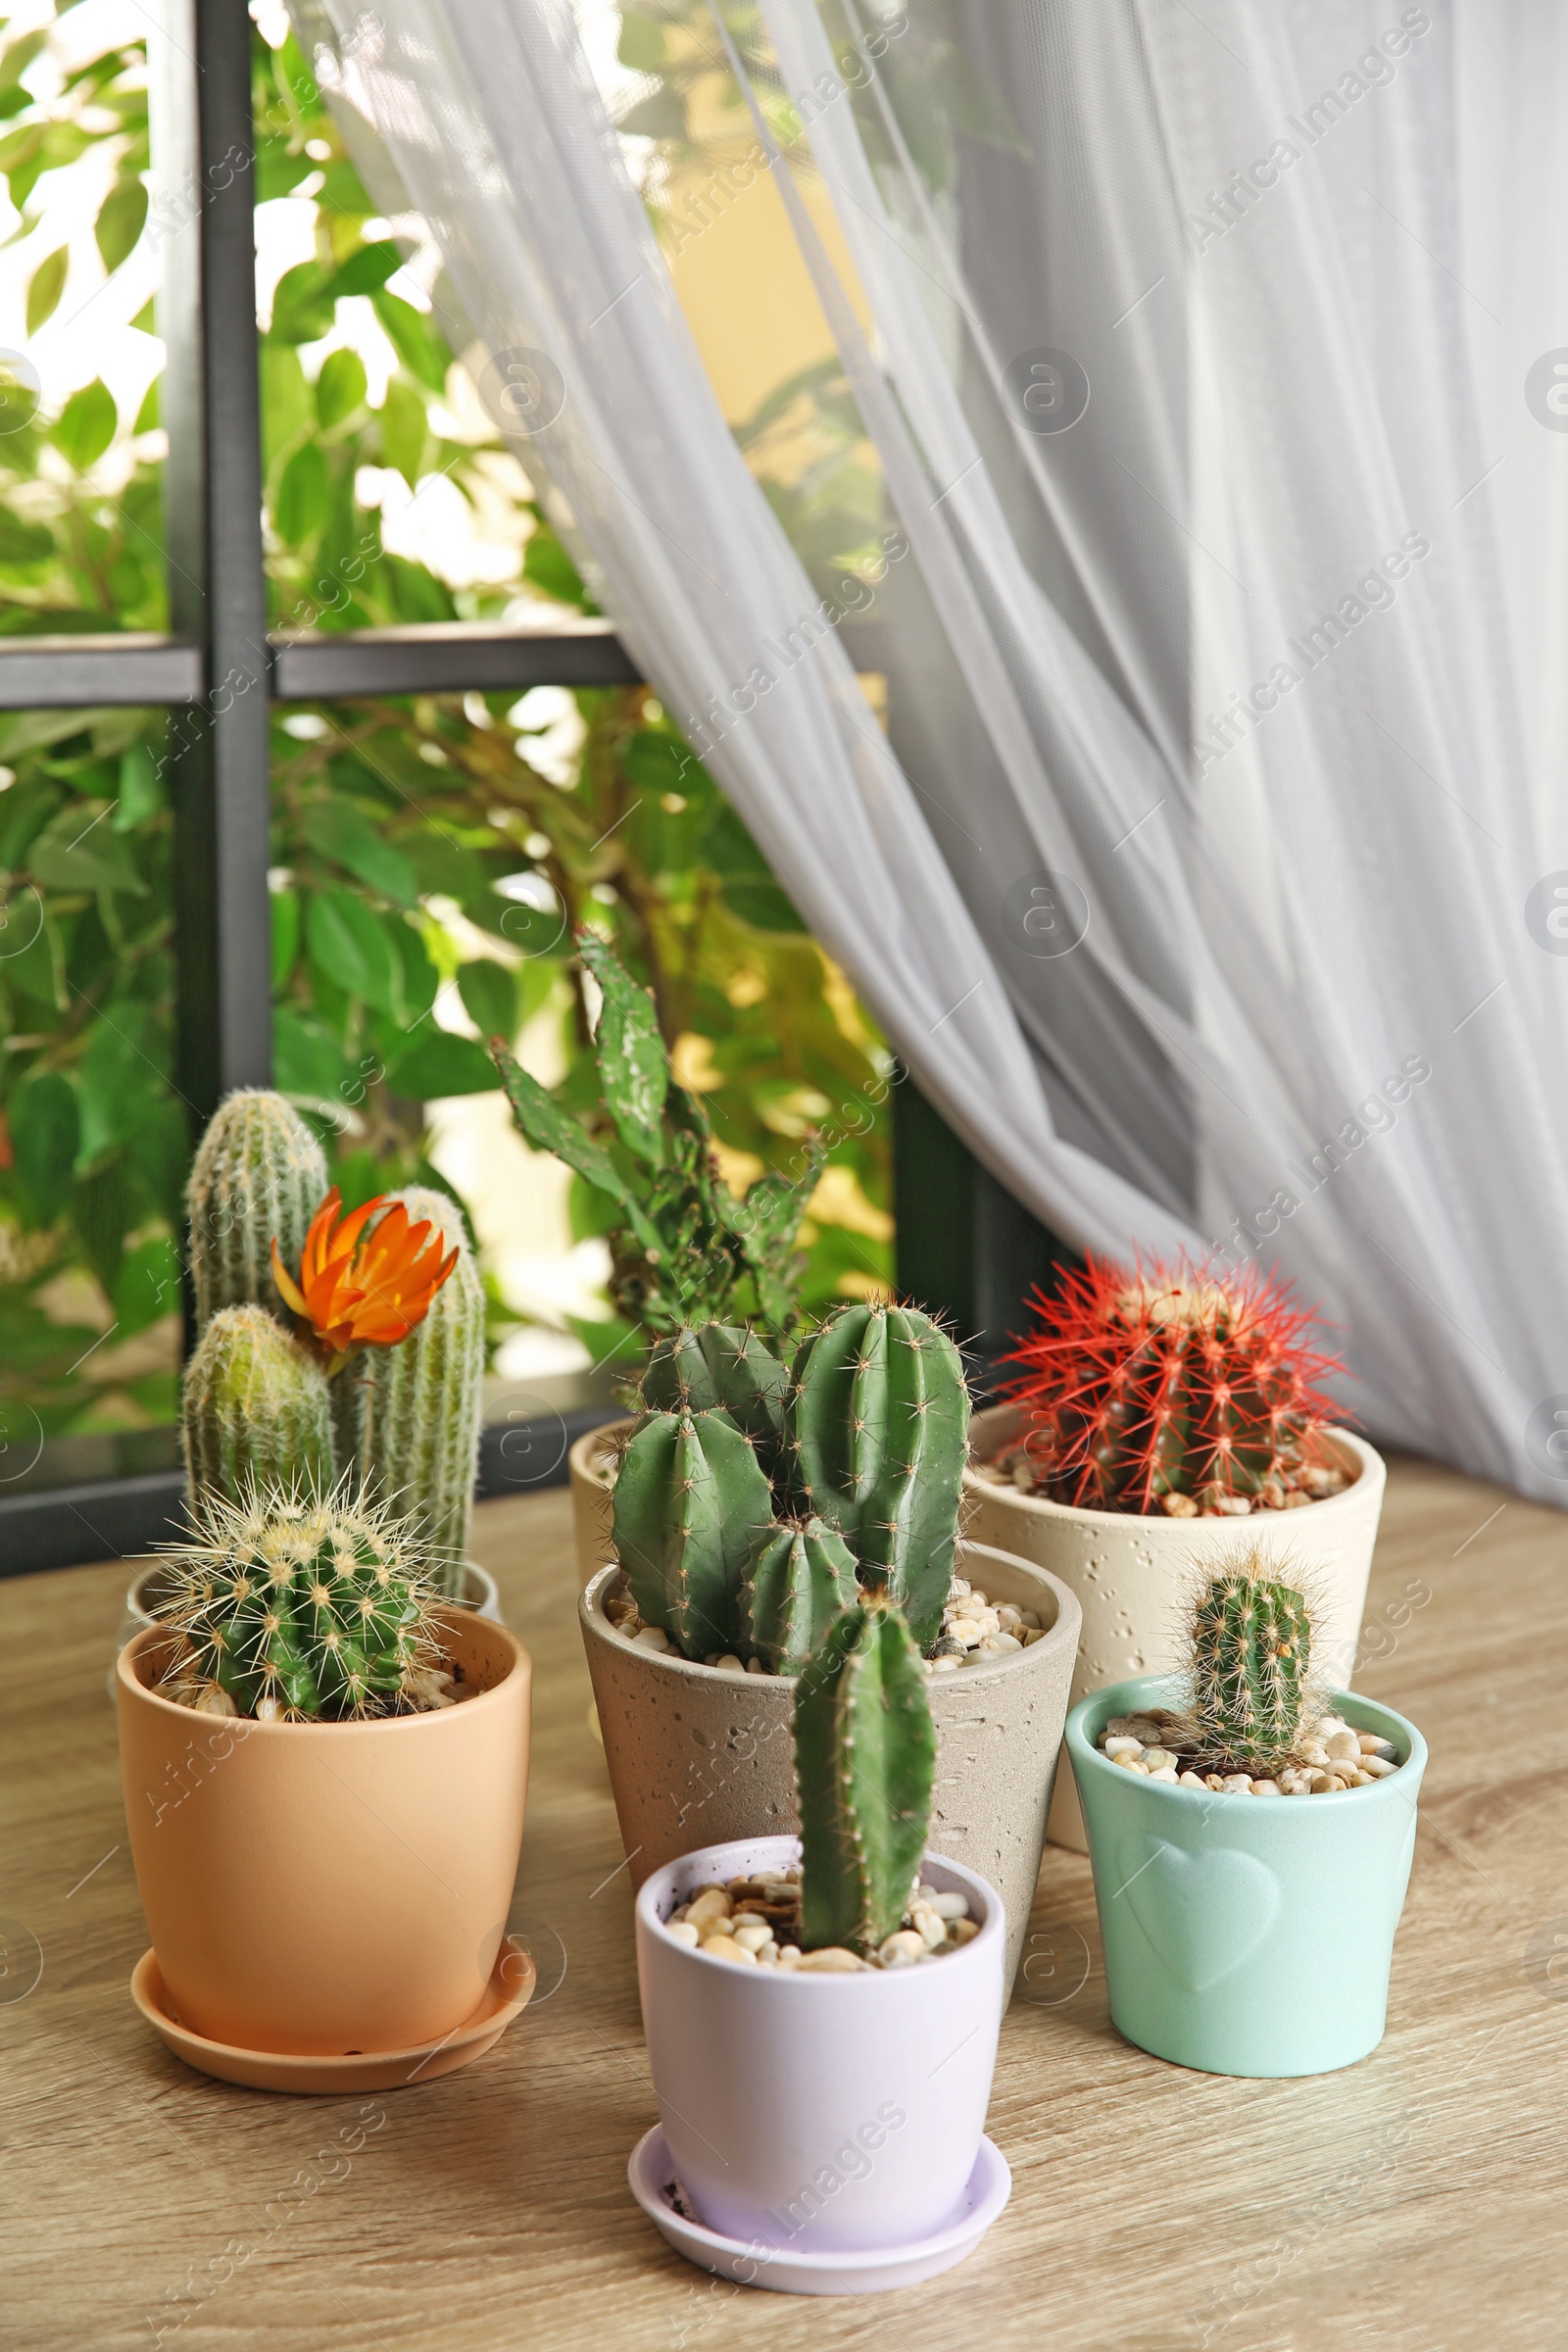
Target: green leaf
[
  {"x": 642, "y": 43},
  {"x": 446, "y": 869},
  {"x": 160, "y": 1153},
  {"x": 761, "y": 904},
  {"x": 102, "y": 1208},
  {"x": 45, "y": 287},
  {"x": 339, "y": 388},
  {"x": 303, "y": 494},
  {"x": 353, "y": 949},
  {"x": 303, "y": 306},
  {"x": 285, "y": 398},
  {"x": 24, "y": 542},
  {"x": 45, "y": 1130},
  {"x": 147, "y": 416},
  {"x": 86, "y": 426},
  {"x": 19, "y": 400},
  {"x": 367, "y": 270},
  {"x": 489, "y": 996},
  {"x": 285, "y": 906},
  {"x": 404, "y": 430},
  {"x": 145, "y": 322},
  {"x": 633, "y": 1064},
  {"x": 37, "y": 967},
  {"x": 547, "y": 567},
  {"x": 124, "y": 1074},
  {"x": 148, "y": 1285},
  {"x": 335, "y": 828},
  {"x": 421, "y": 979},
  {"x": 308, "y": 1064},
  {"x": 443, "y": 1064},
  {"x": 25, "y": 811},
  {"x": 420, "y": 349},
  {"x": 141, "y": 792},
  {"x": 121, "y": 217},
  {"x": 543, "y": 1123},
  {"x": 79, "y": 851},
  {"x": 19, "y": 56}
]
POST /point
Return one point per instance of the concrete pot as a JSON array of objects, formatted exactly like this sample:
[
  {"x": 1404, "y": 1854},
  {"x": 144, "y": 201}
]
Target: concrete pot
[
  {"x": 700, "y": 1754},
  {"x": 849, "y": 2122},
  {"x": 1133, "y": 1574},
  {"x": 592, "y": 1493},
  {"x": 1246, "y": 1934},
  {"x": 318, "y": 1888}
]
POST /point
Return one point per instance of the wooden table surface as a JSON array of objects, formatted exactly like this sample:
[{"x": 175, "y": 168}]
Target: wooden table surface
[{"x": 1416, "y": 2200}]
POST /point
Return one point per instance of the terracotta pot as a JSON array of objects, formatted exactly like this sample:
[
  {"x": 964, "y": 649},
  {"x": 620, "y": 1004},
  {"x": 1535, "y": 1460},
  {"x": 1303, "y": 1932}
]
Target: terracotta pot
[
  {"x": 325, "y": 1887},
  {"x": 699, "y": 1754},
  {"x": 592, "y": 1491},
  {"x": 1132, "y": 1573},
  {"x": 848, "y": 2123}
]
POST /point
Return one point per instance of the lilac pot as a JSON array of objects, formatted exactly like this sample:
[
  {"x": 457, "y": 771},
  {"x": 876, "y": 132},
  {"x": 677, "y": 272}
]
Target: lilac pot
[{"x": 820, "y": 2112}]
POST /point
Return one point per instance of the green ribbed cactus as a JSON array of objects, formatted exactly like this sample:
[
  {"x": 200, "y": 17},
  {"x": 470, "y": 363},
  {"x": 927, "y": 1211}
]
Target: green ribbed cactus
[
  {"x": 876, "y": 1429},
  {"x": 724, "y": 1367},
  {"x": 1252, "y": 1654},
  {"x": 690, "y": 1500},
  {"x": 258, "y": 1174},
  {"x": 407, "y": 1417},
  {"x": 301, "y": 1607},
  {"x": 864, "y": 1765},
  {"x": 798, "y": 1580},
  {"x": 254, "y": 1407}
]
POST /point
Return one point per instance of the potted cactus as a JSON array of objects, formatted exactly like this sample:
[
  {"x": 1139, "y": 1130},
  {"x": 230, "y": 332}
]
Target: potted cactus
[
  {"x": 755, "y": 1502},
  {"x": 324, "y": 1766},
  {"x": 1252, "y": 1832},
  {"x": 1153, "y": 1407},
  {"x": 822, "y": 2013}
]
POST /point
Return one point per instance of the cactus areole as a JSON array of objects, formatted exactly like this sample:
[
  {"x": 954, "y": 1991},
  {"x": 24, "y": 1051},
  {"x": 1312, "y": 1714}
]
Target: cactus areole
[{"x": 1163, "y": 1382}]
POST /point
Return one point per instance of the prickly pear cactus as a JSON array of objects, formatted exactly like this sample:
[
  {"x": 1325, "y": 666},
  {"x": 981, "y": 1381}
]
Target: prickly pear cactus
[
  {"x": 407, "y": 1417},
  {"x": 724, "y": 1367},
  {"x": 300, "y": 1607},
  {"x": 1252, "y": 1654},
  {"x": 864, "y": 1765},
  {"x": 258, "y": 1174},
  {"x": 876, "y": 1430},
  {"x": 690, "y": 1500},
  {"x": 797, "y": 1581},
  {"x": 254, "y": 1407}
]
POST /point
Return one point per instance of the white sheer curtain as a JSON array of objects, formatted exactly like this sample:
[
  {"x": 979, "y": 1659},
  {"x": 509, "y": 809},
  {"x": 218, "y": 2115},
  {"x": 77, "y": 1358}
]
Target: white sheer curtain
[{"x": 1243, "y": 688}]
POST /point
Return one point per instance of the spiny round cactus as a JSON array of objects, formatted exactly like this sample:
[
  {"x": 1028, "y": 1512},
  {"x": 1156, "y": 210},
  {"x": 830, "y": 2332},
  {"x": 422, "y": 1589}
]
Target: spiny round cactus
[
  {"x": 300, "y": 1606},
  {"x": 866, "y": 1754},
  {"x": 1160, "y": 1388},
  {"x": 255, "y": 1409},
  {"x": 798, "y": 1580},
  {"x": 1252, "y": 1655},
  {"x": 407, "y": 1416},
  {"x": 690, "y": 1500},
  {"x": 258, "y": 1175},
  {"x": 722, "y": 1367},
  {"x": 876, "y": 1425}
]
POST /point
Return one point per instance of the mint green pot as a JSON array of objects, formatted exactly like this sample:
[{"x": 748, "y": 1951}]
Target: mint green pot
[{"x": 1246, "y": 1934}]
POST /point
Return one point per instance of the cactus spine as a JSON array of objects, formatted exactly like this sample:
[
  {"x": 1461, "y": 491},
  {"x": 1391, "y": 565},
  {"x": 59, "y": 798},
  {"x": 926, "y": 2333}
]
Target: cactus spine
[
  {"x": 876, "y": 1430},
  {"x": 797, "y": 1581},
  {"x": 1252, "y": 1654},
  {"x": 258, "y": 1172},
  {"x": 723, "y": 1367},
  {"x": 255, "y": 1409},
  {"x": 407, "y": 1417},
  {"x": 864, "y": 1766},
  {"x": 689, "y": 1502},
  {"x": 301, "y": 1607}
]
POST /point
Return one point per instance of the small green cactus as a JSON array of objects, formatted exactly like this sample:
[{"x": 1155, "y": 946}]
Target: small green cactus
[
  {"x": 255, "y": 1408},
  {"x": 1252, "y": 1655},
  {"x": 302, "y": 1607},
  {"x": 258, "y": 1174},
  {"x": 877, "y": 1424},
  {"x": 724, "y": 1367},
  {"x": 690, "y": 1500},
  {"x": 407, "y": 1417},
  {"x": 798, "y": 1580},
  {"x": 865, "y": 1767}
]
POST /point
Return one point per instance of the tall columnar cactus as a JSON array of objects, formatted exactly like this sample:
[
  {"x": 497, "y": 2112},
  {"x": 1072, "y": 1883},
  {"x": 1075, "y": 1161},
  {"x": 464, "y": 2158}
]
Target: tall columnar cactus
[
  {"x": 864, "y": 1766},
  {"x": 797, "y": 1582},
  {"x": 690, "y": 1500},
  {"x": 255, "y": 1408},
  {"x": 1161, "y": 1388},
  {"x": 258, "y": 1176},
  {"x": 407, "y": 1417},
  {"x": 301, "y": 1607},
  {"x": 724, "y": 1367},
  {"x": 1252, "y": 1654},
  {"x": 877, "y": 1426}
]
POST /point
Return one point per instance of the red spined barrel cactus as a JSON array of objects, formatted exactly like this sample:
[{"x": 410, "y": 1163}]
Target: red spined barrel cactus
[{"x": 1162, "y": 1388}]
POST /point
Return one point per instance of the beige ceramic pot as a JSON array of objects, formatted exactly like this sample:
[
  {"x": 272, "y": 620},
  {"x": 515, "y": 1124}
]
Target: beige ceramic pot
[
  {"x": 699, "y": 1754},
  {"x": 593, "y": 1491},
  {"x": 1133, "y": 1574},
  {"x": 325, "y": 1887}
]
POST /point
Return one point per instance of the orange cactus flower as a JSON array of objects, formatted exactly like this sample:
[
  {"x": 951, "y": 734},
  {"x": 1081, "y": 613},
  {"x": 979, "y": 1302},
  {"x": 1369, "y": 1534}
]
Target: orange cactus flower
[{"x": 368, "y": 1293}]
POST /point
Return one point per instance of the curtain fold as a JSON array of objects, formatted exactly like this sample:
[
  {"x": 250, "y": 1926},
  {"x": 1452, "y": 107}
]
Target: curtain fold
[{"x": 1204, "y": 873}]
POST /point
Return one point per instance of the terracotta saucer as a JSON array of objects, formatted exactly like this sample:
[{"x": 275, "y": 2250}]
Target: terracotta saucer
[{"x": 509, "y": 1991}]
